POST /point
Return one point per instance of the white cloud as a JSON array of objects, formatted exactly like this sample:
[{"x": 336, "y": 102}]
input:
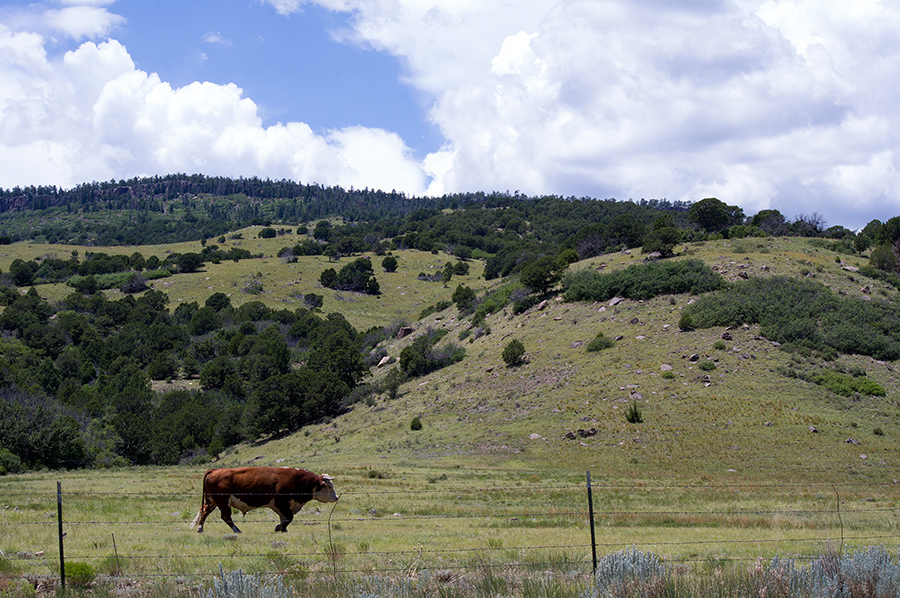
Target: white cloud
[
  {"x": 95, "y": 116},
  {"x": 216, "y": 37},
  {"x": 85, "y": 20},
  {"x": 767, "y": 103}
]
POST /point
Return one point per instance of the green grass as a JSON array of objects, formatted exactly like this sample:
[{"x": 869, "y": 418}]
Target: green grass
[{"x": 724, "y": 468}]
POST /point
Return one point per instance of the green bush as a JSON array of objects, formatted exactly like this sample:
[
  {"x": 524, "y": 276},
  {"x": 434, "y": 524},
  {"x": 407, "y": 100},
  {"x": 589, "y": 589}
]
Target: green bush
[
  {"x": 803, "y": 315},
  {"x": 633, "y": 414},
  {"x": 642, "y": 281},
  {"x": 600, "y": 342},
  {"x": 416, "y": 424},
  {"x": 513, "y": 353},
  {"x": 706, "y": 366},
  {"x": 78, "y": 574}
]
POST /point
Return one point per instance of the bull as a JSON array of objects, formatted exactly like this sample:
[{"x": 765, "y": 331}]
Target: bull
[{"x": 283, "y": 489}]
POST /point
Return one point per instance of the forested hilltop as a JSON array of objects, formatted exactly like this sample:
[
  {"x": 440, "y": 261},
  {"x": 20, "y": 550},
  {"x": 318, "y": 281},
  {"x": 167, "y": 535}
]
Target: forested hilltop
[{"x": 76, "y": 374}]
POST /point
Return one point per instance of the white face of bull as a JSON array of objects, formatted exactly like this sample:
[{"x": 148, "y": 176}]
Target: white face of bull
[{"x": 324, "y": 492}]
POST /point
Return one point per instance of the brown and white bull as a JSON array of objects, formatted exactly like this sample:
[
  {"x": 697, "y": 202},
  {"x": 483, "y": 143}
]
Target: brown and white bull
[{"x": 283, "y": 489}]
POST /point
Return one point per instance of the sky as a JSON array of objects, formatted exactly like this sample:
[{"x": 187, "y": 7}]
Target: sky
[{"x": 776, "y": 104}]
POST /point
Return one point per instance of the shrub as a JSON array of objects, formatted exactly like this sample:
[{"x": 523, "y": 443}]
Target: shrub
[
  {"x": 642, "y": 281},
  {"x": 631, "y": 572},
  {"x": 805, "y": 315},
  {"x": 79, "y": 574},
  {"x": 719, "y": 346},
  {"x": 416, "y": 424},
  {"x": 633, "y": 414},
  {"x": 238, "y": 584},
  {"x": 513, "y": 353},
  {"x": 600, "y": 342},
  {"x": 706, "y": 366}
]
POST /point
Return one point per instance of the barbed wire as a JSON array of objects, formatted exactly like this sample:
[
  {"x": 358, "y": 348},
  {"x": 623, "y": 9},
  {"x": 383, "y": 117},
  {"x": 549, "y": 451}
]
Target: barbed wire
[
  {"x": 78, "y": 498},
  {"x": 51, "y": 493}
]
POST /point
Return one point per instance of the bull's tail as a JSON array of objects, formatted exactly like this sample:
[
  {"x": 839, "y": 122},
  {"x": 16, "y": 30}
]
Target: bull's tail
[{"x": 204, "y": 506}]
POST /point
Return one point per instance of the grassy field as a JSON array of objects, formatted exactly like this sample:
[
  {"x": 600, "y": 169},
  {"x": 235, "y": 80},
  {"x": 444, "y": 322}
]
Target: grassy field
[{"x": 729, "y": 464}]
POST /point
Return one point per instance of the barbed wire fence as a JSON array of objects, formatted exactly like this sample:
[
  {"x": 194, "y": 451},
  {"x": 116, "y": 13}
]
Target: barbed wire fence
[{"x": 75, "y": 514}]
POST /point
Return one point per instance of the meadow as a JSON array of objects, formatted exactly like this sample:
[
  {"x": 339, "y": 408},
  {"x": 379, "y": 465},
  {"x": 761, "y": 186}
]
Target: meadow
[{"x": 732, "y": 463}]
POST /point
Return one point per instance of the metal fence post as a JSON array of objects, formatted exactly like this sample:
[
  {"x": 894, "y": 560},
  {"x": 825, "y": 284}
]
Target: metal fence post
[
  {"x": 591, "y": 513},
  {"x": 62, "y": 559}
]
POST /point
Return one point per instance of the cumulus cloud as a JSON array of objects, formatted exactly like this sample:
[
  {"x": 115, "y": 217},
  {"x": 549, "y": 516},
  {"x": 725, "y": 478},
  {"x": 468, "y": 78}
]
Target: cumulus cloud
[
  {"x": 765, "y": 103},
  {"x": 94, "y": 116}
]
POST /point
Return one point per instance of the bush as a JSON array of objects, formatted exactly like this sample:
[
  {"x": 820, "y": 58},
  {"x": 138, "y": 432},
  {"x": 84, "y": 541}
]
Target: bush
[
  {"x": 706, "y": 366},
  {"x": 642, "y": 281},
  {"x": 804, "y": 314},
  {"x": 513, "y": 353},
  {"x": 599, "y": 343},
  {"x": 633, "y": 414},
  {"x": 416, "y": 424},
  {"x": 79, "y": 574}
]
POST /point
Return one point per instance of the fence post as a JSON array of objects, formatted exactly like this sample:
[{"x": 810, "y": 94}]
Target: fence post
[
  {"x": 591, "y": 513},
  {"x": 62, "y": 559}
]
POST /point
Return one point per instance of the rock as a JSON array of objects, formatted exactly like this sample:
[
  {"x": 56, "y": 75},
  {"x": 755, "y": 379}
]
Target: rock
[
  {"x": 635, "y": 396},
  {"x": 634, "y": 321},
  {"x": 576, "y": 344},
  {"x": 851, "y": 441},
  {"x": 813, "y": 429},
  {"x": 743, "y": 275},
  {"x": 535, "y": 437},
  {"x": 542, "y": 305},
  {"x": 405, "y": 331},
  {"x": 694, "y": 357},
  {"x": 618, "y": 338},
  {"x": 726, "y": 336},
  {"x": 384, "y": 361},
  {"x": 665, "y": 367},
  {"x": 615, "y": 301},
  {"x": 587, "y": 433},
  {"x": 570, "y": 435}
]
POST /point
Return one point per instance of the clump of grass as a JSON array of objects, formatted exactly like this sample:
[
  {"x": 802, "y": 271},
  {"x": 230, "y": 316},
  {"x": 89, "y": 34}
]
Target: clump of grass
[{"x": 706, "y": 366}]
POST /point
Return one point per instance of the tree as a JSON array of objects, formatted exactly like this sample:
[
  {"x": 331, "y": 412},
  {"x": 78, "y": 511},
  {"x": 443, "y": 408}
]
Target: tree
[
  {"x": 463, "y": 297},
  {"x": 389, "y": 264},
  {"x": 218, "y": 301},
  {"x": 714, "y": 215},
  {"x": 513, "y": 353},
  {"x": 770, "y": 221},
  {"x": 541, "y": 274},
  {"x": 189, "y": 262},
  {"x": 328, "y": 278}
]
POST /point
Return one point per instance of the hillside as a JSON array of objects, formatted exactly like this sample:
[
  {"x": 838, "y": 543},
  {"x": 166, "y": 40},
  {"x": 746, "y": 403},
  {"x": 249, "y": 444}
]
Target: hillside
[
  {"x": 745, "y": 418},
  {"x": 715, "y": 401}
]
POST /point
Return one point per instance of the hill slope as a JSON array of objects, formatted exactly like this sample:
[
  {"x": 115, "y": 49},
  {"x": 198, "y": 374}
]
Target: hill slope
[{"x": 712, "y": 408}]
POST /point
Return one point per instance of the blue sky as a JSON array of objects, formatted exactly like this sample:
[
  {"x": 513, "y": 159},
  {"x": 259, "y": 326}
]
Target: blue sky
[{"x": 785, "y": 104}]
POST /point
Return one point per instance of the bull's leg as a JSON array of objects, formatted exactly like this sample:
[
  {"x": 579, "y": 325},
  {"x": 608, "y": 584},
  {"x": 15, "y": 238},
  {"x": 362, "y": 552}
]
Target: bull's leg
[
  {"x": 225, "y": 511},
  {"x": 283, "y": 508},
  {"x": 206, "y": 508}
]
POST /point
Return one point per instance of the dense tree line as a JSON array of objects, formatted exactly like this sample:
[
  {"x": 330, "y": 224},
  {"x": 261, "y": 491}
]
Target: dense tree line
[{"x": 75, "y": 378}]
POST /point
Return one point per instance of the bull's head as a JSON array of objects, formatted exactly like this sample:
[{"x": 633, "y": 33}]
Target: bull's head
[{"x": 324, "y": 492}]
